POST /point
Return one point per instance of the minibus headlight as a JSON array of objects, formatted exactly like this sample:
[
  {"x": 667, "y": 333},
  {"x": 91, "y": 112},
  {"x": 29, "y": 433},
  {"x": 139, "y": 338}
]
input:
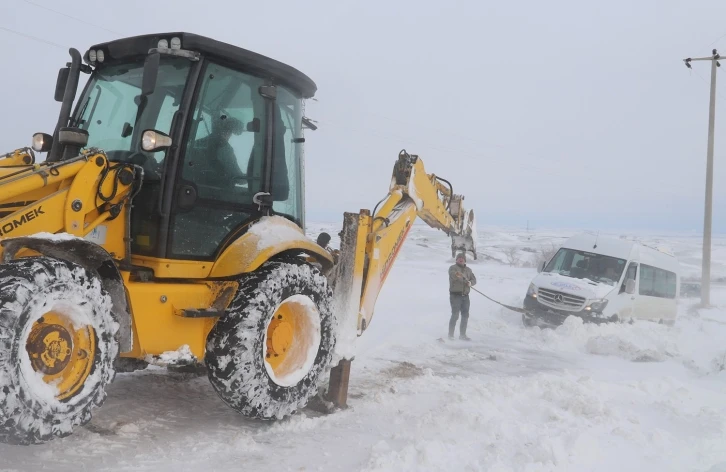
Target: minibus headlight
[
  {"x": 532, "y": 291},
  {"x": 597, "y": 306}
]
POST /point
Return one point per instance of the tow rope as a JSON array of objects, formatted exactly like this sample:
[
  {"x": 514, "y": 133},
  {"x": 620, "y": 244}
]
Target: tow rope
[{"x": 509, "y": 307}]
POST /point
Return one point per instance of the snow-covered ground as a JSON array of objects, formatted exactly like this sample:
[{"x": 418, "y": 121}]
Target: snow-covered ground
[{"x": 597, "y": 398}]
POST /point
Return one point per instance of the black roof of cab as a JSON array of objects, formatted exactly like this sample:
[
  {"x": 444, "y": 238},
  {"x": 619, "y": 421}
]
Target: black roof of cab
[{"x": 279, "y": 72}]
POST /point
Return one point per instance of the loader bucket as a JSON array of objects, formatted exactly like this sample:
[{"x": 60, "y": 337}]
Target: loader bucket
[{"x": 466, "y": 240}]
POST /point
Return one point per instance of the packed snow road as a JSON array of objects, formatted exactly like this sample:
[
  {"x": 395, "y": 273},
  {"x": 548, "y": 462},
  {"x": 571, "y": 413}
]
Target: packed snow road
[{"x": 582, "y": 397}]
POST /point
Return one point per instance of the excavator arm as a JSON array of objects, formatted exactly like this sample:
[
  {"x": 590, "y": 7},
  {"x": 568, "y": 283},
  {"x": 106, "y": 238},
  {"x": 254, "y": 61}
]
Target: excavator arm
[{"x": 371, "y": 243}]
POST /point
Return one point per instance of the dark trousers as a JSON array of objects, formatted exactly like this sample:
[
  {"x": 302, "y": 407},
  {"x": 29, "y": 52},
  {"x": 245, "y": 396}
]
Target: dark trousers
[{"x": 459, "y": 304}]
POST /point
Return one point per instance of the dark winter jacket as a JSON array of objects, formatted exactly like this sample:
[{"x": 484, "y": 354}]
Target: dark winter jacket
[{"x": 457, "y": 284}]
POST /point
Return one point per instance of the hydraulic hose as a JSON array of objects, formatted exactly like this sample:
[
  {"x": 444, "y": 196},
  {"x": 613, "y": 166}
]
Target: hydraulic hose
[{"x": 451, "y": 189}]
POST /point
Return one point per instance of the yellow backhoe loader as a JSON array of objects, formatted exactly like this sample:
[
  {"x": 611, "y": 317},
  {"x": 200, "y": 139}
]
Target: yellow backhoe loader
[{"x": 167, "y": 216}]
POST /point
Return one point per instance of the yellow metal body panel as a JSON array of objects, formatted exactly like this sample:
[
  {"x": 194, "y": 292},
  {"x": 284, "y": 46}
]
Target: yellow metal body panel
[
  {"x": 253, "y": 248},
  {"x": 349, "y": 274},
  {"x": 157, "y": 324},
  {"x": 382, "y": 247},
  {"x": 245, "y": 254},
  {"x": 361, "y": 269},
  {"x": 45, "y": 215},
  {"x": 174, "y": 269},
  {"x": 19, "y": 157},
  {"x": 43, "y": 198}
]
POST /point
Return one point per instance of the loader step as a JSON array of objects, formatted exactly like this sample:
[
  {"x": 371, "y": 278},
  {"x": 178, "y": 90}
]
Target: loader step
[{"x": 194, "y": 313}]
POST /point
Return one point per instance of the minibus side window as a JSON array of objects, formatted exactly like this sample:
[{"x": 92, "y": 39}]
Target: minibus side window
[{"x": 656, "y": 282}]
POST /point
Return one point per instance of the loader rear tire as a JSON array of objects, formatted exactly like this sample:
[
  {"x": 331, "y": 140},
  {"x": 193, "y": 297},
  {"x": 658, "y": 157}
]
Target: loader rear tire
[
  {"x": 57, "y": 348},
  {"x": 267, "y": 355}
]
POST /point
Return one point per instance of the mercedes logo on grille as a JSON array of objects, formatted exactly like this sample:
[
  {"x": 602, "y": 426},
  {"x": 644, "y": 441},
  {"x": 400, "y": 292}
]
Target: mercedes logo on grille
[{"x": 558, "y": 298}]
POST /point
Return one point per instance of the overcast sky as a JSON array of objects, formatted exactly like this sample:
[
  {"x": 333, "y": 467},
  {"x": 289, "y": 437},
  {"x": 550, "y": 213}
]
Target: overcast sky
[{"x": 563, "y": 113}]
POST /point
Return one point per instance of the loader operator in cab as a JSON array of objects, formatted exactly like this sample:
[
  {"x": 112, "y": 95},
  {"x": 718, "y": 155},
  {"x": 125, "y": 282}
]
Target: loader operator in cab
[
  {"x": 219, "y": 153},
  {"x": 460, "y": 279}
]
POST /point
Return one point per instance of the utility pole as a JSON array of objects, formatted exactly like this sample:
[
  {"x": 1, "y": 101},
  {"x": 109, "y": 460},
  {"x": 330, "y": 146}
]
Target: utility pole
[{"x": 707, "y": 214}]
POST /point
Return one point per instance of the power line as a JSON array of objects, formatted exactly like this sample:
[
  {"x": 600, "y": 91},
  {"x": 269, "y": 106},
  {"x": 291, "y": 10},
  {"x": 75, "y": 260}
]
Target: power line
[
  {"x": 717, "y": 40},
  {"x": 34, "y": 38},
  {"x": 72, "y": 17},
  {"x": 721, "y": 97}
]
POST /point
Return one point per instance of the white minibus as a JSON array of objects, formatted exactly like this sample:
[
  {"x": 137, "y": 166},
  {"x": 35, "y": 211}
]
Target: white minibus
[{"x": 604, "y": 279}]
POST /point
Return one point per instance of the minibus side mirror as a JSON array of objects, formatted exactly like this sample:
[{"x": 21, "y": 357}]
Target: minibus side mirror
[
  {"x": 540, "y": 268},
  {"x": 630, "y": 286}
]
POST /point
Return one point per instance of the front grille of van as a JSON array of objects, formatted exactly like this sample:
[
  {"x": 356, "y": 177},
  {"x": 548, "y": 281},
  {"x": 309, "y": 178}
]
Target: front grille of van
[{"x": 559, "y": 300}]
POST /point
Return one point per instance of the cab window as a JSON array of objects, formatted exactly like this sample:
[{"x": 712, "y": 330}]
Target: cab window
[{"x": 223, "y": 163}]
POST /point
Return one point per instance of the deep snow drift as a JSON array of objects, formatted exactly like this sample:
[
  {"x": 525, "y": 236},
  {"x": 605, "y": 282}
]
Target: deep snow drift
[{"x": 582, "y": 397}]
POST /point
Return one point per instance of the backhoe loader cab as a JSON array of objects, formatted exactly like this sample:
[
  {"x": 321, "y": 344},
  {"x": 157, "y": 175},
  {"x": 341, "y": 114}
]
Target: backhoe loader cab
[{"x": 234, "y": 119}]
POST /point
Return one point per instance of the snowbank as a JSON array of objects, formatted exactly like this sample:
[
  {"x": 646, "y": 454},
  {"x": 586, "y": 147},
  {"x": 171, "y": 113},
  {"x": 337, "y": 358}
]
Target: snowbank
[{"x": 625, "y": 397}]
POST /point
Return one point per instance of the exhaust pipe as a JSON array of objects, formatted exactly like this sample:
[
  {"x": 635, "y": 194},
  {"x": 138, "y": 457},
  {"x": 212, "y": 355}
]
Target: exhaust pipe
[{"x": 69, "y": 96}]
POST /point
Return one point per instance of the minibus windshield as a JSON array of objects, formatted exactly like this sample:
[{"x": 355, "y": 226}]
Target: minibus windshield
[{"x": 587, "y": 265}]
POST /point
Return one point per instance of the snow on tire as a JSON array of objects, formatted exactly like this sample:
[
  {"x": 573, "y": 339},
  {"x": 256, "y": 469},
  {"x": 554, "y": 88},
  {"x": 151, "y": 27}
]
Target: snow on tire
[
  {"x": 281, "y": 311},
  {"x": 57, "y": 348}
]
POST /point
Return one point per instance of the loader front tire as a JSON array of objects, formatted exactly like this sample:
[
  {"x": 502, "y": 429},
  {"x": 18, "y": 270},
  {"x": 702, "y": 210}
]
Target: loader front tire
[
  {"x": 57, "y": 348},
  {"x": 267, "y": 355}
]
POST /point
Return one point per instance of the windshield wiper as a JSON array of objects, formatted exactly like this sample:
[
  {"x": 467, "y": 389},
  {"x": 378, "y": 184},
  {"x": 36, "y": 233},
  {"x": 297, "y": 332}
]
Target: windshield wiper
[{"x": 74, "y": 122}]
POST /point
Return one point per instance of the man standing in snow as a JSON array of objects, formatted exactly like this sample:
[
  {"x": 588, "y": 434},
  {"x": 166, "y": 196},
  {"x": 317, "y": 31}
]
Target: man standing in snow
[
  {"x": 460, "y": 279},
  {"x": 324, "y": 241}
]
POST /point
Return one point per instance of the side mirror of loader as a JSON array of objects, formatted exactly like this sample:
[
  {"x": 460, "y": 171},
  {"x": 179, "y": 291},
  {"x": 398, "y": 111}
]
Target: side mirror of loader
[
  {"x": 151, "y": 71},
  {"x": 60, "y": 83}
]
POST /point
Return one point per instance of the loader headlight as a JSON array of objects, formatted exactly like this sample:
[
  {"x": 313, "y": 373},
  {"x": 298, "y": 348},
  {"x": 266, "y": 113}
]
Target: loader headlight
[
  {"x": 92, "y": 55},
  {"x": 532, "y": 291},
  {"x": 100, "y": 56},
  {"x": 152, "y": 141},
  {"x": 163, "y": 44},
  {"x": 42, "y": 142},
  {"x": 597, "y": 306},
  {"x": 175, "y": 43}
]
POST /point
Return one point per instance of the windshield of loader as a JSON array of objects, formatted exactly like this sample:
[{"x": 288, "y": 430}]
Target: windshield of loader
[{"x": 111, "y": 113}]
